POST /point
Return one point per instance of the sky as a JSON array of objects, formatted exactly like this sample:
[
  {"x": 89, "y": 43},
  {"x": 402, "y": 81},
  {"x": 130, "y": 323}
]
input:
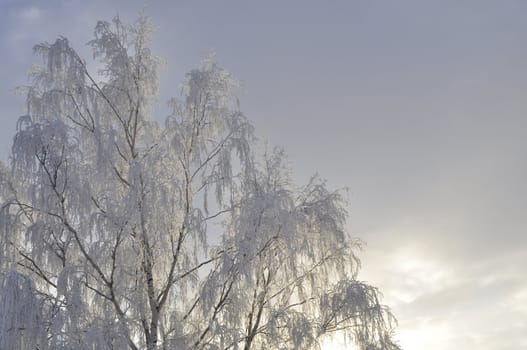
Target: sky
[{"x": 418, "y": 107}]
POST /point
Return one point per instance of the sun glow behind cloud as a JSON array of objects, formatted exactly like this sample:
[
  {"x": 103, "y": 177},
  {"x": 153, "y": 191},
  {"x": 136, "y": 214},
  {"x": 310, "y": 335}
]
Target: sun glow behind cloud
[
  {"x": 415, "y": 275},
  {"x": 408, "y": 275},
  {"x": 445, "y": 300},
  {"x": 336, "y": 342}
]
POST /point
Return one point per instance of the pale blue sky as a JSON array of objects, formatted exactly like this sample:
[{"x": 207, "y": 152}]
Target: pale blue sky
[{"x": 417, "y": 106}]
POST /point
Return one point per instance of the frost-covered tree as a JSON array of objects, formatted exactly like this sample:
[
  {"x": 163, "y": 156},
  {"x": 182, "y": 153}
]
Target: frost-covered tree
[{"x": 118, "y": 231}]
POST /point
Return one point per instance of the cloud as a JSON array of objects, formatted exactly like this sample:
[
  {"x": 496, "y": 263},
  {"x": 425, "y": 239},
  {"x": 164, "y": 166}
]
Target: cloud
[
  {"x": 30, "y": 14},
  {"x": 445, "y": 300}
]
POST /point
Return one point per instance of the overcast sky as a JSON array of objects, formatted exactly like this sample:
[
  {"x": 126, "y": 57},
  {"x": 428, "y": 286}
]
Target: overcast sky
[{"x": 418, "y": 107}]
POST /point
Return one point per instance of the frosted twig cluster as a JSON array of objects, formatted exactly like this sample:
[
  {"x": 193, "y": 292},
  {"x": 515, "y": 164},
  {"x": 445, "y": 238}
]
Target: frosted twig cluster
[{"x": 120, "y": 232}]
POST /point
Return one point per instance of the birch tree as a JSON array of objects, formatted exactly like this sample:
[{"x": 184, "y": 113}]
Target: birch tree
[{"x": 122, "y": 232}]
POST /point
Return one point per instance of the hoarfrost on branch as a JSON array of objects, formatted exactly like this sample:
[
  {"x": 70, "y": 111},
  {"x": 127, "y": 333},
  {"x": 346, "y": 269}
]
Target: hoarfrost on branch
[{"x": 110, "y": 221}]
